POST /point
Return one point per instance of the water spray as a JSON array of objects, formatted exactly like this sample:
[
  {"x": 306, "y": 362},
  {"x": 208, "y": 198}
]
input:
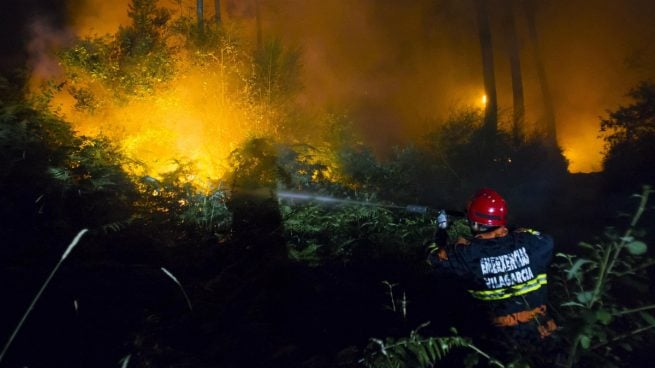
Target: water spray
[
  {"x": 330, "y": 200},
  {"x": 412, "y": 208}
]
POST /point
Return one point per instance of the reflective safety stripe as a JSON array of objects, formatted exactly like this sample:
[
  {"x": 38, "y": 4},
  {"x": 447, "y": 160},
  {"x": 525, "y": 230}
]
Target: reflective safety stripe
[{"x": 508, "y": 292}]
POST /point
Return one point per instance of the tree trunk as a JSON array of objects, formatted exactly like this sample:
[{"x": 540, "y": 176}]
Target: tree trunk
[
  {"x": 491, "y": 108},
  {"x": 549, "y": 109},
  {"x": 200, "y": 14},
  {"x": 518, "y": 116},
  {"x": 258, "y": 20},
  {"x": 217, "y": 11}
]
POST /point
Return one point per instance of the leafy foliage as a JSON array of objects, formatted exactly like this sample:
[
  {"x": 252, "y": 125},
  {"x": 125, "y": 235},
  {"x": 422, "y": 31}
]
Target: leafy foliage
[
  {"x": 318, "y": 234},
  {"x": 175, "y": 203},
  {"x": 452, "y": 162},
  {"x": 52, "y": 182},
  {"x": 601, "y": 325},
  {"x": 276, "y": 73},
  {"x": 629, "y": 132},
  {"x": 419, "y": 351},
  {"x": 91, "y": 175},
  {"x": 256, "y": 165},
  {"x": 131, "y": 63}
]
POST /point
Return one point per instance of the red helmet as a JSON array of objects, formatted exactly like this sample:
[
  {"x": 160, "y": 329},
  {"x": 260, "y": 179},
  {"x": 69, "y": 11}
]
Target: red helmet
[{"x": 487, "y": 208}]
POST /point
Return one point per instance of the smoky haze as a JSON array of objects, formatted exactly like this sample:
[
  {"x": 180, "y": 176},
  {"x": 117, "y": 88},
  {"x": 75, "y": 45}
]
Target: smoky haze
[{"x": 399, "y": 67}]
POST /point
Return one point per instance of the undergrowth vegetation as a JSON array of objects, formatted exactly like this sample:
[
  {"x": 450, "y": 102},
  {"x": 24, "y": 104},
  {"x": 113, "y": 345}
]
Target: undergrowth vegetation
[
  {"x": 367, "y": 249},
  {"x": 605, "y": 295}
]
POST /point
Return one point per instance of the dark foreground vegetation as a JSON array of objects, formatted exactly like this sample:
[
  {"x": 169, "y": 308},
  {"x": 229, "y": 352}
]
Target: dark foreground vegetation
[{"x": 236, "y": 277}]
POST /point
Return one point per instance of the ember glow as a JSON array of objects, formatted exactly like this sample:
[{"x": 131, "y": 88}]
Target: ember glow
[{"x": 583, "y": 151}]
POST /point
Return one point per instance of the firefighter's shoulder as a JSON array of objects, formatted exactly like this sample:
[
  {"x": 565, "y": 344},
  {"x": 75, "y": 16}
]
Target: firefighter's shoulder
[
  {"x": 528, "y": 231},
  {"x": 536, "y": 236}
]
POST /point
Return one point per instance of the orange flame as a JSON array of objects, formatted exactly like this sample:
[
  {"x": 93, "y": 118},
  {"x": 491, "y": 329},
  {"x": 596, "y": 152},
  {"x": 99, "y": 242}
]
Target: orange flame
[{"x": 189, "y": 121}]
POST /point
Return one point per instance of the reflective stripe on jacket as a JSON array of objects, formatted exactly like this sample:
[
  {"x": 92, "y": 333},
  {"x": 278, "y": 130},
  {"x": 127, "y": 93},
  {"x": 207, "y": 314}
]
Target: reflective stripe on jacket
[{"x": 505, "y": 270}]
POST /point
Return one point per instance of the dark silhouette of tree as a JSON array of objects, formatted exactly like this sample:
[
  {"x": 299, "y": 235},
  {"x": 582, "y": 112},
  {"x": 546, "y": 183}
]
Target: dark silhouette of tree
[
  {"x": 509, "y": 26},
  {"x": 200, "y": 11},
  {"x": 148, "y": 29},
  {"x": 258, "y": 20},
  {"x": 217, "y": 11},
  {"x": 133, "y": 62},
  {"x": 530, "y": 7},
  {"x": 276, "y": 73},
  {"x": 629, "y": 133},
  {"x": 486, "y": 46}
]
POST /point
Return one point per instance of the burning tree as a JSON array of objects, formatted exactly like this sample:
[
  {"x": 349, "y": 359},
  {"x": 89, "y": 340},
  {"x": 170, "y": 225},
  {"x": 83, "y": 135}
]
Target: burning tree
[{"x": 168, "y": 93}]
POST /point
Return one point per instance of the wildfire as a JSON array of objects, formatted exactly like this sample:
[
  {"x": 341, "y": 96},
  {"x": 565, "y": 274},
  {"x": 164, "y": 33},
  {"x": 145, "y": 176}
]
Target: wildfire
[
  {"x": 583, "y": 157},
  {"x": 189, "y": 122},
  {"x": 200, "y": 116}
]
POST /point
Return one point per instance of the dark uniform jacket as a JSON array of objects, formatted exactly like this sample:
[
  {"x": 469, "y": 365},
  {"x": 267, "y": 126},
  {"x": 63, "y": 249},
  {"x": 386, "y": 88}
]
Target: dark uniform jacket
[{"x": 506, "y": 271}]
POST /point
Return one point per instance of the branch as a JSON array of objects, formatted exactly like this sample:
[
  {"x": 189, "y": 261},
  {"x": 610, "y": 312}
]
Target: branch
[
  {"x": 634, "y": 310},
  {"x": 640, "y": 267},
  {"x": 608, "y": 262},
  {"x": 491, "y": 359},
  {"x": 621, "y": 337},
  {"x": 628, "y": 233}
]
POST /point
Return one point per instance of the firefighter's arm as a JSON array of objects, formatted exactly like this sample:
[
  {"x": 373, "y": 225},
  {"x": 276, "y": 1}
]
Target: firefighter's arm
[
  {"x": 451, "y": 259},
  {"x": 436, "y": 249},
  {"x": 539, "y": 244},
  {"x": 439, "y": 249}
]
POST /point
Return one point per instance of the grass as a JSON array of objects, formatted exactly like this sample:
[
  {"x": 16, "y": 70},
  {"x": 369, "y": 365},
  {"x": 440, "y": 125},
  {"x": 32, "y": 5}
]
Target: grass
[{"x": 68, "y": 250}]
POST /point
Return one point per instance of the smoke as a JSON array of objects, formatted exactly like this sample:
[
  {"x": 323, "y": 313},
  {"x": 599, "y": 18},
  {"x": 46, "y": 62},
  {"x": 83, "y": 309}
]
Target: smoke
[
  {"x": 398, "y": 67},
  {"x": 97, "y": 18},
  {"x": 392, "y": 66},
  {"x": 45, "y": 40},
  {"x": 589, "y": 51}
]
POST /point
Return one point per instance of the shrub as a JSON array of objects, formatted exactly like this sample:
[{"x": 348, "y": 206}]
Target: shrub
[{"x": 604, "y": 298}]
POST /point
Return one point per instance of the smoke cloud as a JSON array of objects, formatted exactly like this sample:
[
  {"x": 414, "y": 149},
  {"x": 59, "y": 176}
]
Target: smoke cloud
[
  {"x": 45, "y": 40},
  {"x": 398, "y": 67}
]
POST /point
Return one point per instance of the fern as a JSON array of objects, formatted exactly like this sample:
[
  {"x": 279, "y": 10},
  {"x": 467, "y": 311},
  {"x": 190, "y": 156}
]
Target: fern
[{"x": 417, "y": 351}]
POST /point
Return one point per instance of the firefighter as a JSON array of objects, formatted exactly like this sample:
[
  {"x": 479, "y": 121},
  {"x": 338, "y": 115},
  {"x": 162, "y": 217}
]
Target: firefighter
[{"x": 503, "y": 268}]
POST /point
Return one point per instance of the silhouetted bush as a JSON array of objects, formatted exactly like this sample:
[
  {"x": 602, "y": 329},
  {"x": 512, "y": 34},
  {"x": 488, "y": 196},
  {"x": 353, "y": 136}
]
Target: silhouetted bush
[
  {"x": 54, "y": 183},
  {"x": 629, "y": 133}
]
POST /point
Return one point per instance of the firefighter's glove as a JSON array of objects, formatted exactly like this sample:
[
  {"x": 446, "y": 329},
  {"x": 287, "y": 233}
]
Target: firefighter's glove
[
  {"x": 442, "y": 220},
  {"x": 432, "y": 248}
]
